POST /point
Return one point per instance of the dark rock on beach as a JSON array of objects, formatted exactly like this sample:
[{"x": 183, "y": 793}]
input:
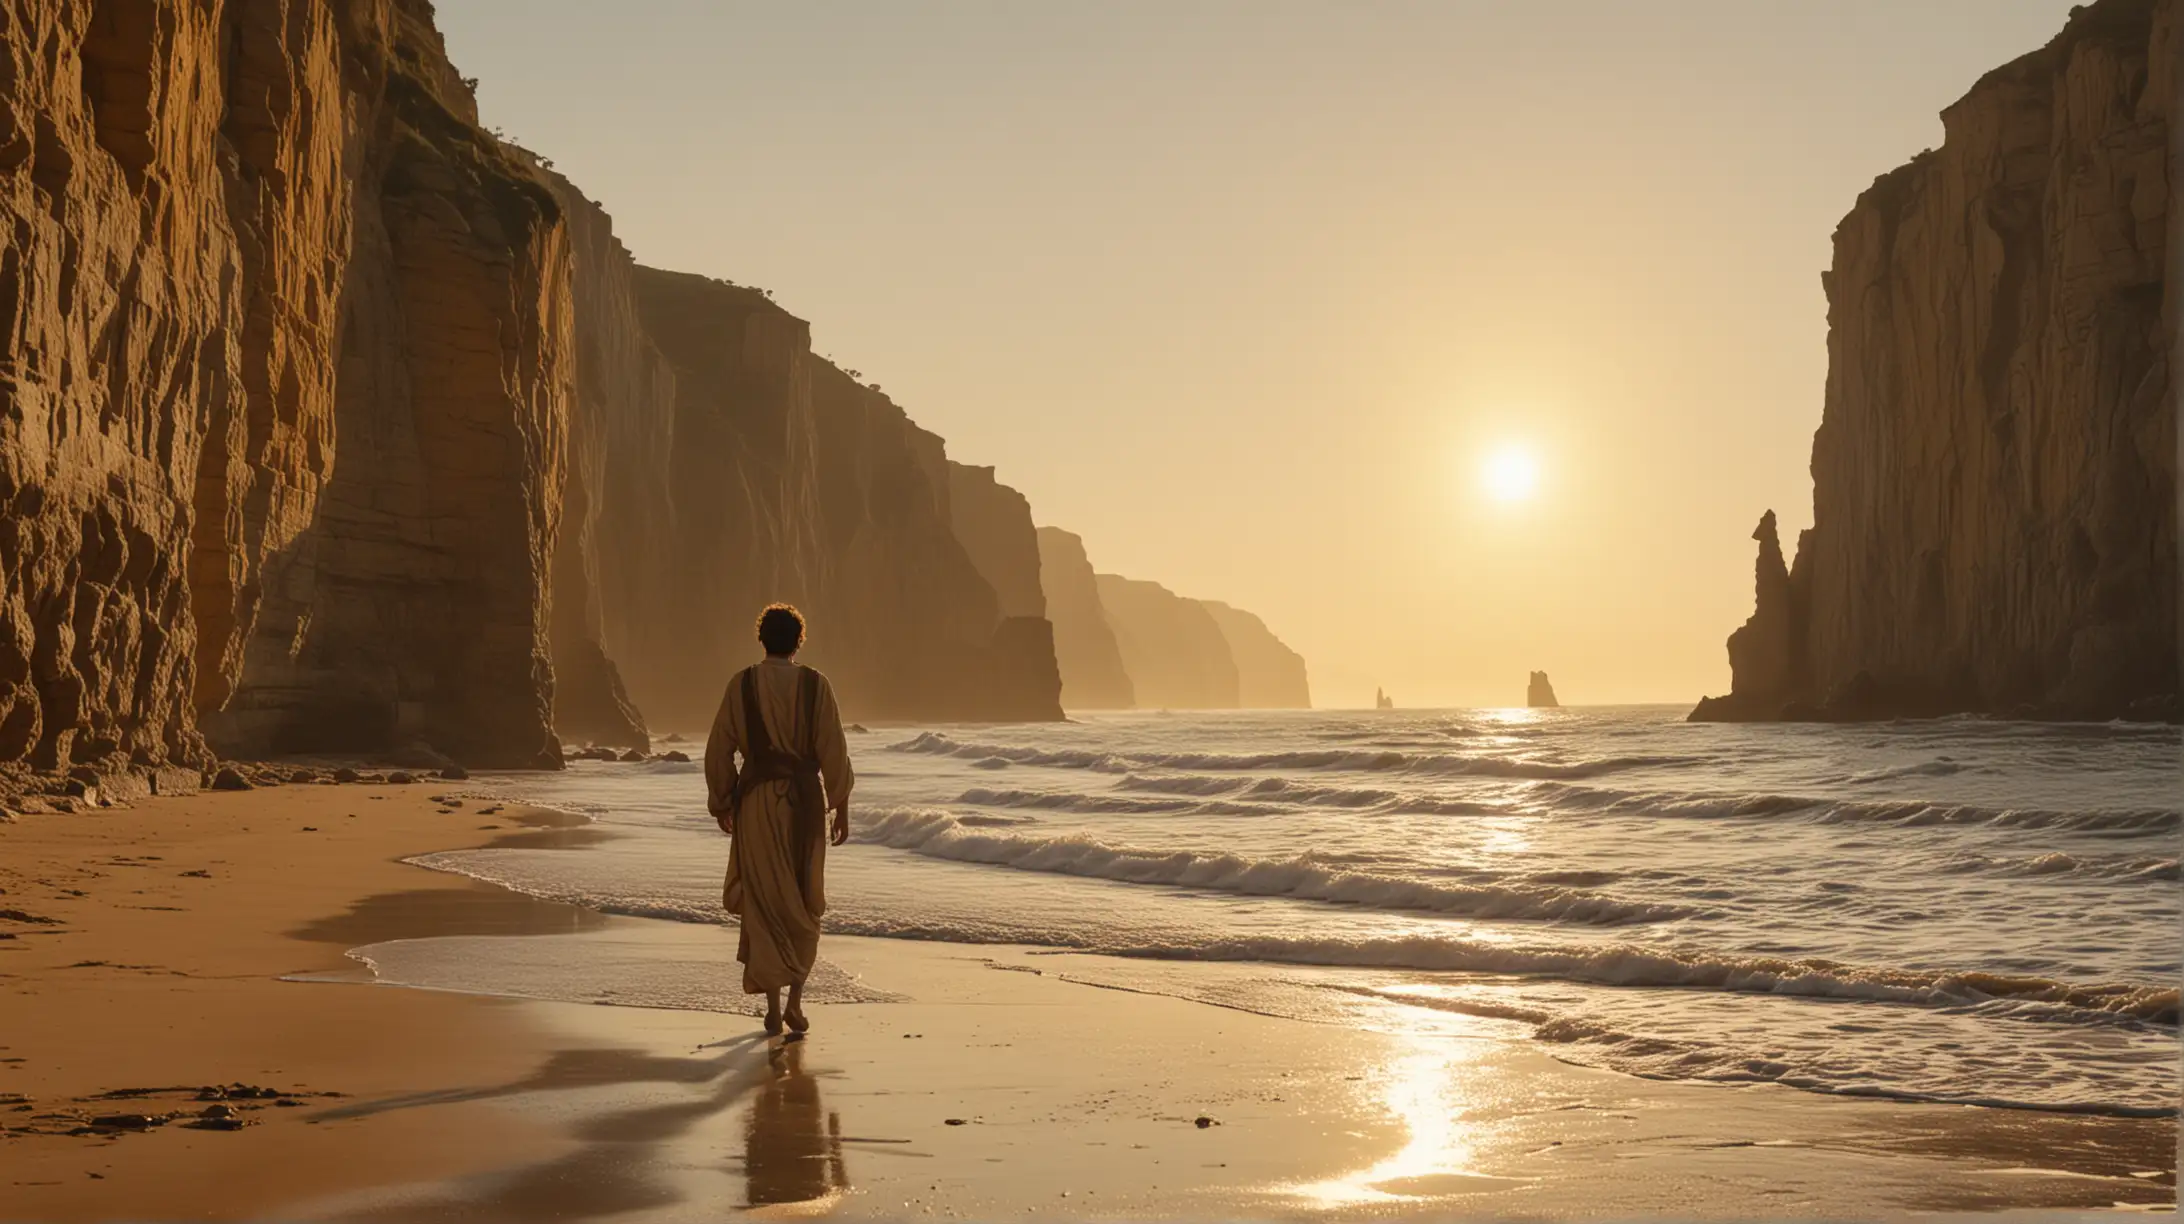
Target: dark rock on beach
[
  {"x": 129, "y": 1122},
  {"x": 230, "y": 778}
]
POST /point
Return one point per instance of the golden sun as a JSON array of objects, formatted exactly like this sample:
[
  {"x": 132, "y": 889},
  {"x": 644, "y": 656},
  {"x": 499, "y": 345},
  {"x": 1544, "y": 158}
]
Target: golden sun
[{"x": 1510, "y": 473}]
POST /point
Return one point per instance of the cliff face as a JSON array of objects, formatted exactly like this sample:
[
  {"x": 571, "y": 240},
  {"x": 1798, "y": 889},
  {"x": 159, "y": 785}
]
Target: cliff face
[
  {"x": 789, "y": 480},
  {"x": 993, "y": 523},
  {"x": 1171, "y": 647},
  {"x": 616, "y": 559},
  {"x": 332, "y": 424},
  {"x": 1994, "y": 500},
  {"x": 1093, "y": 677},
  {"x": 1124, "y": 644},
  {"x": 285, "y": 371},
  {"x": 1269, "y": 675}
]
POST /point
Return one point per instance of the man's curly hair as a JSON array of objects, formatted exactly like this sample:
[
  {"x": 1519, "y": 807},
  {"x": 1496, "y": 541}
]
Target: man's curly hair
[{"x": 781, "y": 629}]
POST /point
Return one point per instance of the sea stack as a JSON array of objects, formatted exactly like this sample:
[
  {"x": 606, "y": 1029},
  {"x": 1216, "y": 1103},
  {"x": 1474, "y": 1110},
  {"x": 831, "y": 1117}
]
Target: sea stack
[
  {"x": 1540, "y": 695},
  {"x": 1994, "y": 476}
]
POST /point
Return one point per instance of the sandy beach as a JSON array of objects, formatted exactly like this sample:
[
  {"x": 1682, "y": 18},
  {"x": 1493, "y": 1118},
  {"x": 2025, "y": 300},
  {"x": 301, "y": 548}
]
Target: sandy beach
[{"x": 150, "y": 952}]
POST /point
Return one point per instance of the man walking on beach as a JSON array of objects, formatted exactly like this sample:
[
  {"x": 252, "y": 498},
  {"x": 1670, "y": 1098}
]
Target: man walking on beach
[{"x": 781, "y": 719}]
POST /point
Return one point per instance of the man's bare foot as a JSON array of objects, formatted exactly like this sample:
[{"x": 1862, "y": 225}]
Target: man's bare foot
[
  {"x": 795, "y": 1014},
  {"x": 773, "y": 1014}
]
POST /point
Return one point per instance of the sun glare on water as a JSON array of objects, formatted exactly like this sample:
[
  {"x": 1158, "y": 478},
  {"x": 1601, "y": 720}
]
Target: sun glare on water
[{"x": 1511, "y": 474}]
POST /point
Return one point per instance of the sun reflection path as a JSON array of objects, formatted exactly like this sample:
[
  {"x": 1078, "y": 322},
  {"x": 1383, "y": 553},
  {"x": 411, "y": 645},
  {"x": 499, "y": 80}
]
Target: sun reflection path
[{"x": 1429, "y": 1090}]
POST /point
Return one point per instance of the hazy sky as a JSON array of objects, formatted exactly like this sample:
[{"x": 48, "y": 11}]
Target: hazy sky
[{"x": 1247, "y": 293}]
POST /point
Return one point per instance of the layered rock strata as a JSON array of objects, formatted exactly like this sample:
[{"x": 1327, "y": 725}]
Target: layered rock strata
[
  {"x": 333, "y": 424},
  {"x": 1994, "y": 476},
  {"x": 283, "y": 355},
  {"x": 616, "y": 558}
]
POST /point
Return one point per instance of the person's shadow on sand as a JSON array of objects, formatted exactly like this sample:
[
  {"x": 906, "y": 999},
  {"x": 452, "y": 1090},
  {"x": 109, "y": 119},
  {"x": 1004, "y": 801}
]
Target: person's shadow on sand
[{"x": 792, "y": 1146}]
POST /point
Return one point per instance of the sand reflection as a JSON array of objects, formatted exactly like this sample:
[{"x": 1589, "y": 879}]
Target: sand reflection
[
  {"x": 792, "y": 1144},
  {"x": 1427, "y": 1089}
]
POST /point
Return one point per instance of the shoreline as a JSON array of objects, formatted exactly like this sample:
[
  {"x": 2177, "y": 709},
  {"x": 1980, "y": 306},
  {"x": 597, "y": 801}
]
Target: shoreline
[
  {"x": 166, "y": 929},
  {"x": 981, "y": 1086}
]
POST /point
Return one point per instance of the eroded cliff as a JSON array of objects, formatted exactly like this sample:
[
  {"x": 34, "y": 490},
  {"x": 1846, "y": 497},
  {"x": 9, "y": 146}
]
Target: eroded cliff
[
  {"x": 615, "y": 558},
  {"x": 993, "y": 523},
  {"x": 284, "y": 375},
  {"x": 1171, "y": 647},
  {"x": 1093, "y": 677},
  {"x": 790, "y": 480},
  {"x": 333, "y": 424},
  {"x": 1124, "y": 644},
  {"x": 1994, "y": 476}
]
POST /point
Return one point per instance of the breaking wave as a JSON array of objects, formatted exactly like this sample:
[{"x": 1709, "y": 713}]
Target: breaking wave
[
  {"x": 940, "y": 835},
  {"x": 936, "y": 744},
  {"x": 1808, "y": 1066},
  {"x": 1908, "y": 813},
  {"x": 1632, "y": 965}
]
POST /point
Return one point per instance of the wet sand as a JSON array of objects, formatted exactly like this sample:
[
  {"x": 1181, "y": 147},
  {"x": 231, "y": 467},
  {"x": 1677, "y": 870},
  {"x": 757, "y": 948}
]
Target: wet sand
[{"x": 996, "y": 1087}]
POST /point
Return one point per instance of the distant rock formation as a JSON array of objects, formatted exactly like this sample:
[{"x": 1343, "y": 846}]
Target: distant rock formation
[
  {"x": 1172, "y": 648},
  {"x": 1093, "y": 677},
  {"x": 1994, "y": 477},
  {"x": 1539, "y": 694},
  {"x": 1269, "y": 675},
  {"x": 1122, "y": 643},
  {"x": 1381, "y": 700},
  {"x": 793, "y": 481},
  {"x": 993, "y": 523}
]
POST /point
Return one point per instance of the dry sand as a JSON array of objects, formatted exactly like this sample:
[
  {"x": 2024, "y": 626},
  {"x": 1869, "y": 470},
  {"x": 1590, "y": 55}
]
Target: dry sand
[{"x": 997, "y": 1089}]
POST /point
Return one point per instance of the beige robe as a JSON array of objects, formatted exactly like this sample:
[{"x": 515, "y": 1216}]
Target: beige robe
[{"x": 776, "y": 889}]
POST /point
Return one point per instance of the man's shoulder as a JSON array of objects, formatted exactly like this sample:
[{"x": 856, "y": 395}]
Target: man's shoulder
[{"x": 821, "y": 686}]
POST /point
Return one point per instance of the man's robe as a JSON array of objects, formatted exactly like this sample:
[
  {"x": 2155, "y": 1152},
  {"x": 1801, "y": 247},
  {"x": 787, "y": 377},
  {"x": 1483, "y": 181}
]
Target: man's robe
[{"x": 776, "y": 885}]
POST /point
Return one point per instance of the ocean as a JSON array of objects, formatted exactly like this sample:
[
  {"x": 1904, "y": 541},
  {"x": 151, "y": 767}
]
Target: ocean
[{"x": 1962, "y": 910}]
